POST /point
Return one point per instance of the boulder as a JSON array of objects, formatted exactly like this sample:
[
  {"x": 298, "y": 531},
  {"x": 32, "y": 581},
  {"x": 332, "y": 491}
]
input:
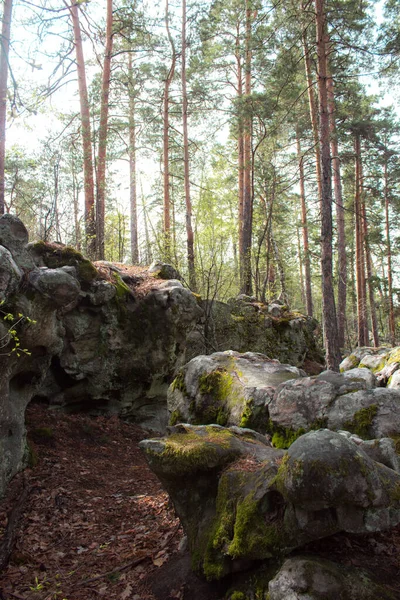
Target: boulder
[
  {"x": 163, "y": 270},
  {"x": 10, "y": 275},
  {"x": 362, "y": 374},
  {"x": 58, "y": 285},
  {"x": 312, "y": 578},
  {"x": 241, "y": 501},
  {"x": 14, "y": 237},
  {"x": 227, "y": 388},
  {"x": 246, "y": 325}
]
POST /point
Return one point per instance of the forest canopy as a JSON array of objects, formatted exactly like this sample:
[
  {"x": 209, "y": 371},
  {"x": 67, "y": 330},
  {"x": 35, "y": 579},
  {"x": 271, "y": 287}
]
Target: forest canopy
[{"x": 252, "y": 144}]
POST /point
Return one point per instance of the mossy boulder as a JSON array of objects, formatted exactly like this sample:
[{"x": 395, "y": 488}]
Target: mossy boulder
[
  {"x": 312, "y": 578},
  {"x": 336, "y": 401},
  {"x": 241, "y": 501},
  {"x": 246, "y": 325},
  {"x": 227, "y": 388}
]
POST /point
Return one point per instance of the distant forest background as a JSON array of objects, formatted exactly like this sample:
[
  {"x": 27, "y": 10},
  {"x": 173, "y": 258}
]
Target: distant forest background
[{"x": 252, "y": 144}]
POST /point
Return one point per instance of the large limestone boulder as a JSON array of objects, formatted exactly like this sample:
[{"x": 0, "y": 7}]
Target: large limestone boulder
[
  {"x": 227, "y": 388},
  {"x": 241, "y": 501},
  {"x": 312, "y": 578}
]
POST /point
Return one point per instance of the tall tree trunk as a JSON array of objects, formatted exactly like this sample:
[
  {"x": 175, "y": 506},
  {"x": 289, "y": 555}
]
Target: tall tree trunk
[
  {"x": 132, "y": 167},
  {"x": 313, "y": 109},
  {"x": 245, "y": 256},
  {"x": 360, "y": 256},
  {"x": 75, "y": 197},
  {"x": 189, "y": 228},
  {"x": 103, "y": 133},
  {"x": 341, "y": 237},
  {"x": 328, "y": 298},
  {"x": 370, "y": 272},
  {"x": 282, "y": 277},
  {"x": 167, "y": 199},
  {"x": 239, "y": 76},
  {"x": 4, "y": 51},
  {"x": 90, "y": 225},
  {"x": 392, "y": 328},
  {"x": 304, "y": 224}
]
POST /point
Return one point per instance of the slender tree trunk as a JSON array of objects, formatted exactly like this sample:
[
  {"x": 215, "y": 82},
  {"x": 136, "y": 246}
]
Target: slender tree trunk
[
  {"x": 247, "y": 164},
  {"x": 239, "y": 75},
  {"x": 392, "y": 328},
  {"x": 306, "y": 248},
  {"x": 4, "y": 51},
  {"x": 167, "y": 199},
  {"x": 75, "y": 197},
  {"x": 360, "y": 258},
  {"x": 370, "y": 273},
  {"x": 103, "y": 133},
  {"x": 341, "y": 237},
  {"x": 328, "y": 298},
  {"x": 149, "y": 254},
  {"x": 90, "y": 225},
  {"x": 313, "y": 110},
  {"x": 300, "y": 255},
  {"x": 282, "y": 277},
  {"x": 189, "y": 228},
  {"x": 132, "y": 167}
]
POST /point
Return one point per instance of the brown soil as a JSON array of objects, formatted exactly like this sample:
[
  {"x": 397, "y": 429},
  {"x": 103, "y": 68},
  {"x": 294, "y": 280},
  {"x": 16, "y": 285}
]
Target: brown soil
[
  {"x": 97, "y": 524},
  {"x": 93, "y": 507}
]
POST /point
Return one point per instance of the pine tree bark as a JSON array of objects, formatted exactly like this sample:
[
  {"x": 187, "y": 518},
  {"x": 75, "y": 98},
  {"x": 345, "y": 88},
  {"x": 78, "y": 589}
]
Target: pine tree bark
[
  {"x": 245, "y": 256},
  {"x": 370, "y": 272},
  {"x": 167, "y": 199},
  {"x": 360, "y": 254},
  {"x": 392, "y": 328},
  {"x": 304, "y": 224},
  {"x": 4, "y": 51},
  {"x": 313, "y": 109},
  {"x": 341, "y": 236},
  {"x": 132, "y": 167},
  {"x": 188, "y": 202},
  {"x": 103, "y": 134},
  {"x": 328, "y": 299},
  {"x": 239, "y": 77},
  {"x": 90, "y": 225}
]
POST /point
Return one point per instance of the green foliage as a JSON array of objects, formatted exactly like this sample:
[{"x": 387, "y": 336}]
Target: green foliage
[{"x": 11, "y": 338}]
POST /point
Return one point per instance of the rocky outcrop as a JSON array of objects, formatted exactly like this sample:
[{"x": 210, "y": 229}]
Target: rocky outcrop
[
  {"x": 81, "y": 336},
  {"x": 383, "y": 363},
  {"x": 227, "y": 388},
  {"x": 243, "y": 324},
  {"x": 241, "y": 501},
  {"x": 311, "y": 578}
]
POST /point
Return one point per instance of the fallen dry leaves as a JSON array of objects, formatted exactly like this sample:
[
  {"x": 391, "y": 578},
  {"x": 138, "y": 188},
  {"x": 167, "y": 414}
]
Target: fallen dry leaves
[{"x": 96, "y": 521}]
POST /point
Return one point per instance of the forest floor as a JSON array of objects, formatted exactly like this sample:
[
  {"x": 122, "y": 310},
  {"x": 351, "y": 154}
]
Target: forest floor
[{"x": 97, "y": 524}]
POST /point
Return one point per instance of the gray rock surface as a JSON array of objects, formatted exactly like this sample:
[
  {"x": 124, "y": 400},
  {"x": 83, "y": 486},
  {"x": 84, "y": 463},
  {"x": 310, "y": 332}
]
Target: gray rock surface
[
  {"x": 227, "y": 388},
  {"x": 10, "y": 275},
  {"x": 311, "y": 578},
  {"x": 241, "y": 501}
]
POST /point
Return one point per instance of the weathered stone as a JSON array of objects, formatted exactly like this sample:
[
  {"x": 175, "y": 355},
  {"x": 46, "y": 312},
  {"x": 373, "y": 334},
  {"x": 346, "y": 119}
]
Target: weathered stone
[
  {"x": 163, "y": 270},
  {"x": 101, "y": 292},
  {"x": 394, "y": 381},
  {"x": 227, "y": 388},
  {"x": 55, "y": 284},
  {"x": 241, "y": 501},
  {"x": 371, "y": 413},
  {"x": 10, "y": 275},
  {"x": 312, "y": 578},
  {"x": 245, "y": 326},
  {"x": 362, "y": 374},
  {"x": 382, "y": 450},
  {"x": 14, "y": 237}
]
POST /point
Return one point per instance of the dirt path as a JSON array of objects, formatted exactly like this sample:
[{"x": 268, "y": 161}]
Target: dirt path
[
  {"x": 93, "y": 507},
  {"x": 96, "y": 522}
]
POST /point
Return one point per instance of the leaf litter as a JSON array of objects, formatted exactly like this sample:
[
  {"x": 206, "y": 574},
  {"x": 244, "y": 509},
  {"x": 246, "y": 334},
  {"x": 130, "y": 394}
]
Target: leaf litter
[{"x": 96, "y": 522}]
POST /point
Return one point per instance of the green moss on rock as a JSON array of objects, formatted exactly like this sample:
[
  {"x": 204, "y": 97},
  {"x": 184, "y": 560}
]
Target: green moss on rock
[{"x": 361, "y": 422}]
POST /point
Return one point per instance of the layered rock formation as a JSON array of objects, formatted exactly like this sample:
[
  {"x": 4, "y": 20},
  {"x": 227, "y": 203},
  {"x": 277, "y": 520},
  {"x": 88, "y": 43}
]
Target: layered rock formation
[{"x": 82, "y": 336}]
